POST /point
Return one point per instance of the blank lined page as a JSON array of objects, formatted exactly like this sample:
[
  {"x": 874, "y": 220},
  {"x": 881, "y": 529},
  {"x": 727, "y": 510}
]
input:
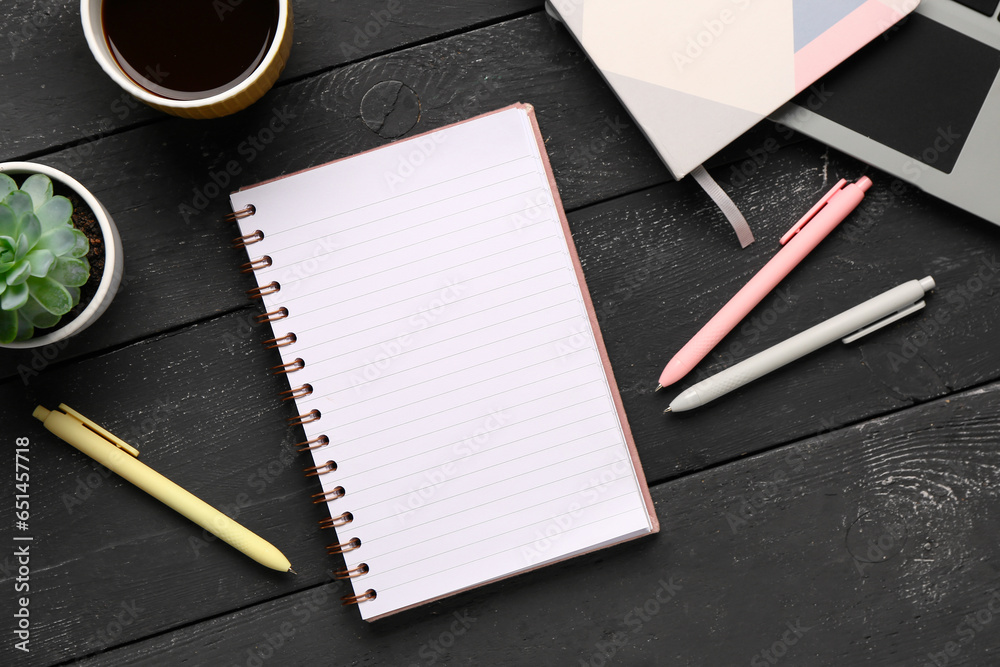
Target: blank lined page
[{"x": 437, "y": 307}]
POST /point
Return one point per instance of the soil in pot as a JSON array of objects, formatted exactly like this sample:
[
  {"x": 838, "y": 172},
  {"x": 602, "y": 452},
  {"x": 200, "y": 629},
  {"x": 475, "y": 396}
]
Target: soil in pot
[{"x": 84, "y": 220}]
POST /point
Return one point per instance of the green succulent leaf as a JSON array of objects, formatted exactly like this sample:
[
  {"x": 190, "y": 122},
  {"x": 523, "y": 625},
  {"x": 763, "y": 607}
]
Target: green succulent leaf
[
  {"x": 18, "y": 274},
  {"x": 31, "y": 228},
  {"x": 41, "y": 261},
  {"x": 3, "y": 286},
  {"x": 39, "y": 186},
  {"x": 22, "y": 248},
  {"x": 8, "y": 221},
  {"x": 8, "y": 325},
  {"x": 6, "y": 253},
  {"x": 56, "y": 212},
  {"x": 59, "y": 241},
  {"x": 14, "y": 296},
  {"x": 7, "y": 185},
  {"x": 70, "y": 272},
  {"x": 74, "y": 294},
  {"x": 25, "y": 331},
  {"x": 51, "y": 295},
  {"x": 82, "y": 246},
  {"x": 37, "y": 315},
  {"x": 20, "y": 203}
]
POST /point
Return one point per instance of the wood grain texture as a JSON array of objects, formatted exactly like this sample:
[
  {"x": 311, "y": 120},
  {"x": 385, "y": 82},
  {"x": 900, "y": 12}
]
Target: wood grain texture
[
  {"x": 656, "y": 285},
  {"x": 746, "y": 552},
  {"x": 202, "y": 408},
  {"x": 165, "y": 184},
  {"x": 866, "y": 516},
  {"x": 48, "y": 73}
]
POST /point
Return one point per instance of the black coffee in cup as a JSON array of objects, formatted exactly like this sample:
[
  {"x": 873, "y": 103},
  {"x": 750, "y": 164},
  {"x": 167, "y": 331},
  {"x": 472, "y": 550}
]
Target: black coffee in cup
[{"x": 189, "y": 49}]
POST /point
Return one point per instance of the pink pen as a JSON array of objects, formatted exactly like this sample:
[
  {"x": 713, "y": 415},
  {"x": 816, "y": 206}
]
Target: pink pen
[{"x": 798, "y": 242}]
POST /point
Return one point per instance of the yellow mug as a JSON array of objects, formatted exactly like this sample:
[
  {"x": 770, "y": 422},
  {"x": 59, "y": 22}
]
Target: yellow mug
[{"x": 231, "y": 100}]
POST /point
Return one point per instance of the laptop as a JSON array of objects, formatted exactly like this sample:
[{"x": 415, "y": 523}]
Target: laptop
[{"x": 922, "y": 102}]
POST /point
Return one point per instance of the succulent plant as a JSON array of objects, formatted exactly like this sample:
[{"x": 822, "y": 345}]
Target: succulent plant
[{"x": 42, "y": 257}]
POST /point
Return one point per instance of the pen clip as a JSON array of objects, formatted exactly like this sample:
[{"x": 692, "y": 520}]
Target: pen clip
[
  {"x": 101, "y": 431},
  {"x": 885, "y": 321},
  {"x": 797, "y": 227}
]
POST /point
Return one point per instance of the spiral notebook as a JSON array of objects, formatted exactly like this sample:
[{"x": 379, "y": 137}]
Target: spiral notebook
[{"x": 445, "y": 361}]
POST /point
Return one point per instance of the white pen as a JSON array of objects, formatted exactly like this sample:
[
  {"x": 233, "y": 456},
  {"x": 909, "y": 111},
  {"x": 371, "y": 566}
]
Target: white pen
[{"x": 849, "y": 325}]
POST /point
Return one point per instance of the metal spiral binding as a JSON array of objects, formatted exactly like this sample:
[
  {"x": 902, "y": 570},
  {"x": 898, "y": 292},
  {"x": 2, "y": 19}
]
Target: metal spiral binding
[
  {"x": 315, "y": 443},
  {"x": 244, "y": 212},
  {"x": 329, "y": 496},
  {"x": 262, "y": 262},
  {"x": 273, "y": 316},
  {"x": 281, "y": 341},
  {"x": 297, "y": 392},
  {"x": 272, "y": 287},
  {"x": 290, "y": 367},
  {"x": 313, "y": 471},
  {"x": 336, "y": 521},
  {"x": 370, "y": 594},
  {"x": 311, "y": 416},
  {"x": 356, "y": 571},
  {"x": 344, "y": 547}
]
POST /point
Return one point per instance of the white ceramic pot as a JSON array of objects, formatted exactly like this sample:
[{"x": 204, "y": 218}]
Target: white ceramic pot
[{"x": 113, "y": 257}]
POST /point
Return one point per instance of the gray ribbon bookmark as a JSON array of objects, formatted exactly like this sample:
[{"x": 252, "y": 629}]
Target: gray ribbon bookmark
[{"x": 725, "y": 204}]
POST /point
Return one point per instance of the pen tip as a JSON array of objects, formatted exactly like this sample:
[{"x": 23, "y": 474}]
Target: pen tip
[
  {"x": 667, "y": 411},
  {"x": 659, "y": 387},
  {"x": 291, "y": 571}
]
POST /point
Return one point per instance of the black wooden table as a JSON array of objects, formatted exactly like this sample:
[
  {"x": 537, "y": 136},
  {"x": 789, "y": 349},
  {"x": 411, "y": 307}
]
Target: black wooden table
[{"x": 842, "y": 511}]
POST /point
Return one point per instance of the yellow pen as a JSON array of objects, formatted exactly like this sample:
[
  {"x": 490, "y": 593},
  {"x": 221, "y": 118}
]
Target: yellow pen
[{"x": 120, "y": 457}]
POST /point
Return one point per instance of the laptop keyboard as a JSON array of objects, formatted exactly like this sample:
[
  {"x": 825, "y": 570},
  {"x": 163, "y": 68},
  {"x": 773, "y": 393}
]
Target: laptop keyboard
[{"x": 986, "y": 7}]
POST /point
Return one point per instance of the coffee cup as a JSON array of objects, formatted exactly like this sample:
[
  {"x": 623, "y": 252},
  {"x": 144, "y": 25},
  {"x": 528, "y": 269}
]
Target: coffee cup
[{"x": 191, "y": 58}]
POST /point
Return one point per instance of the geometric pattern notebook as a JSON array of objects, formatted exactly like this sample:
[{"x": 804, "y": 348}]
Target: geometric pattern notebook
[
  {"x": 696, "y": 75},
  {"x": 445, "y": 361}
]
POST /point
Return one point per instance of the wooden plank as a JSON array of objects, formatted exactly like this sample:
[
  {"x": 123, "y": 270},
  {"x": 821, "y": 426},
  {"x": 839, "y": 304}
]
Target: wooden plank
[
  {"x": 202, "y": 408},
  {"x": 55, "y": 92},
  {"x": 165, "y": 184},
  {"x": 656, "y": 285},
  {"x": 873, "y": 544},
  {"x": 673, "y": 269}
]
